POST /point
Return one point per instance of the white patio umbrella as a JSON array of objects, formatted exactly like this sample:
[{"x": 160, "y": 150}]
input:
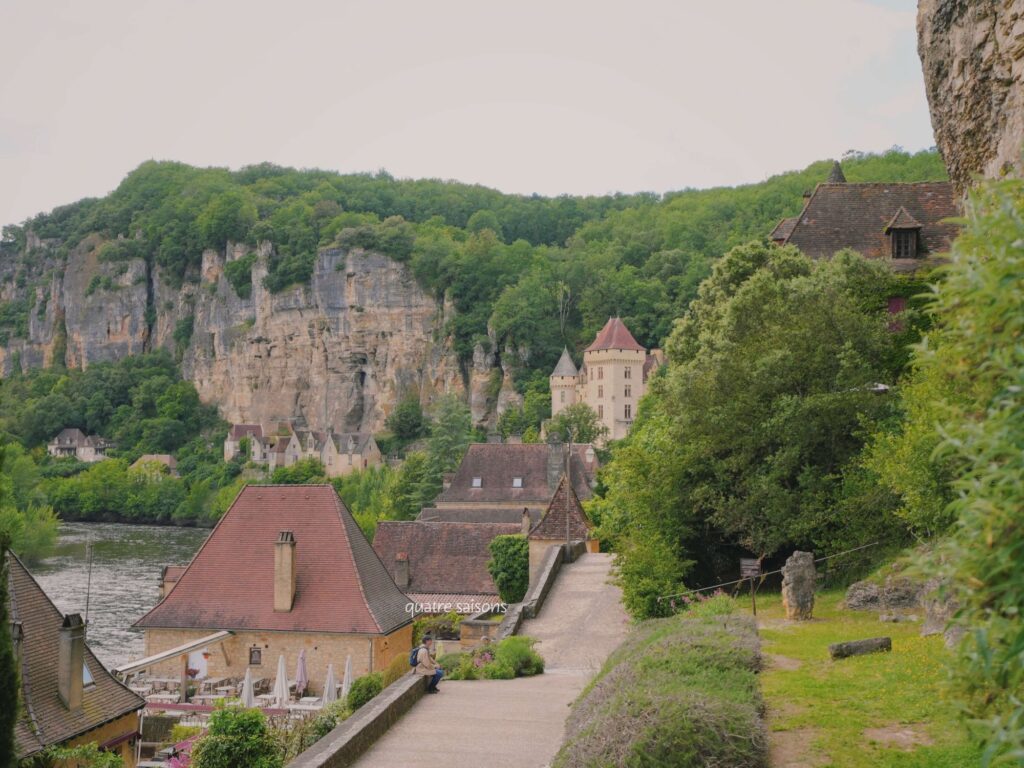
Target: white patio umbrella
[
  {"x": 346, "y": 681},
  {"x": 330, "y": 686},
  {"x": 248, "y": 695},
  {"x": 301, "y": 675},
  {"x": 280, "y": 692}
]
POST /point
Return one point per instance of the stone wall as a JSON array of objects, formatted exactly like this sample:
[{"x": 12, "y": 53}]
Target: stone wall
[
  {"x": 972, "y": 52},
  {"x": 231, "y": 657}
]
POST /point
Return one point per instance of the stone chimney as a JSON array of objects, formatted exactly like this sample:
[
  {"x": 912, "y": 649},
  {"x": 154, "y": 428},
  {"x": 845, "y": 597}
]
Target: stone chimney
[
  {"x": 493, "y": 437},
  {"x": 526, "y": 521},
  {"x": 284, "y": 572},
  {"x": 556, "y": 462},
  {"x": 71, "y": 661},
  {"x": 446, "y": 480},
  {"x": 402, "y": 570}
]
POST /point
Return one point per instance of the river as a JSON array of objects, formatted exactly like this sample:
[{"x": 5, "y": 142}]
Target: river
[{"x": 126, "y": 565}]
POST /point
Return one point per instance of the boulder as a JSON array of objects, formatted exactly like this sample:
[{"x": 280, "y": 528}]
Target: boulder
[
  {"x": 896, "y": 593},
  {"x": 798, "y": 578}
]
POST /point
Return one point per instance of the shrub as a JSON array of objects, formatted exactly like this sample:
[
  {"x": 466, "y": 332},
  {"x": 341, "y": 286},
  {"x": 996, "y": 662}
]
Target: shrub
[
  {"x": 237, "y": 737},
  {"x": 518, "y": 654},
  {"x": 498, "y": 670},
  {"x": 510, "y": 566},
  {"x": 396, "y": 669},
  {"x": 328, "y": 719},
  {"x": 364, "y": 688},
  {"x": 718, "y": 604},
  {"x": 444, "y": 626},
  {"x": 239, "y": 274}
]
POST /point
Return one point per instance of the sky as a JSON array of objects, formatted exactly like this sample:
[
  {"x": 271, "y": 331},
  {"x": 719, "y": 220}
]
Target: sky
[{"x": 535, "y": 96}]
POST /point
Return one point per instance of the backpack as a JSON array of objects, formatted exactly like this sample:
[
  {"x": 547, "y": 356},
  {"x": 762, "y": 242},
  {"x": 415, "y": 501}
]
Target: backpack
[{"x": 413, "y": 654}]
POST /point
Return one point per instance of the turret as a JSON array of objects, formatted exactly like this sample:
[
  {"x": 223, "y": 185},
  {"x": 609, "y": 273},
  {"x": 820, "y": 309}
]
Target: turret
[{"x": 563, "y": 383}]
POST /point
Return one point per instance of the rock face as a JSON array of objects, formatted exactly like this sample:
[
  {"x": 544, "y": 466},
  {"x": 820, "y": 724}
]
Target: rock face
[
  {"x": 895, "y": 594},
  {"x": 972, "y": 52},
  {"x": 337, "y": 353},
  {"x": 798, "y": 578}
]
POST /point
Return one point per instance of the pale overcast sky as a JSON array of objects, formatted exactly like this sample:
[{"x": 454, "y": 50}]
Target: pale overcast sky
[{"x": 552, "y": 96}]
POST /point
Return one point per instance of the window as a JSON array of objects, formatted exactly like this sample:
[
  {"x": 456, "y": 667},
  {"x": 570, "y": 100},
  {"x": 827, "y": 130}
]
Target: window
[
  {"x": 628, "y": 373},
  {"x": 629, "y": 391},
  {"x": 904, "y": 243},
  {"x": 87, "y": 676},
  {"x": 600, "y": 391},
  {"x": 563, "y": 396},
  {"x": 517, "y": 482},
  {"x": 600, "y": 372},
  {"x": 476, "y": 482},
  {"x": 600, "y": 411},
  {"x": 628, "y": 411}
]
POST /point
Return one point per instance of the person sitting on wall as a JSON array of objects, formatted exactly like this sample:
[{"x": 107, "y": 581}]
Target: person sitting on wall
[{"x": 427, "y": 666}]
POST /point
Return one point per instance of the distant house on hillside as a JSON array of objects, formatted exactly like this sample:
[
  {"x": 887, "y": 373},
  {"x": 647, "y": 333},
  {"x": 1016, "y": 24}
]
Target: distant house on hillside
[
  {"x": 441, "y": 563},
  {"x": 906, "y": 225},
  {"x": 68, "y": 698},
  {"x": 72, "y": 443},
  {"x": 286, "y": 569},
  {"x": 164, "y": 460},
  {"x": 340, "y": 453}
]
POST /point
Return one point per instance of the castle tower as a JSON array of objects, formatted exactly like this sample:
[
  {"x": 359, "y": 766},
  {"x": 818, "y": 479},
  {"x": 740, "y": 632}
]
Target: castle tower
[
  {"x": 616, "y": 377},
  {"x": 563, "y": 380}
]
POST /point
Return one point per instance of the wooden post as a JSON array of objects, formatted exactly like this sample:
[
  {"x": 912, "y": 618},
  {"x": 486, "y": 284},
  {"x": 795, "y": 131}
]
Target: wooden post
[{"x": 753, "y": 599}]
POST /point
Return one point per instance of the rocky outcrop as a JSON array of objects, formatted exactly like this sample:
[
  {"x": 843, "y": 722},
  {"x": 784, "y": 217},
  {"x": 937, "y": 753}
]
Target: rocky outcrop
[
  {"x": 337, "y": 353},
  {"x": 798, "y": 580},
  {"x": 896, "y": 593},
  {"x": 972, "y": 52}
]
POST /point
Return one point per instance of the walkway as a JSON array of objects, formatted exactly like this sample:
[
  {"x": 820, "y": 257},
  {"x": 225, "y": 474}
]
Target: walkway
[{"x": 517, "y": 723}]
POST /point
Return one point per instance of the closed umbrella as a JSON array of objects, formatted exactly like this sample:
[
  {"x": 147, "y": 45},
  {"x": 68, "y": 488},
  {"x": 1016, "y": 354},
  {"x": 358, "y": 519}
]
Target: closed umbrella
[
  {"x": 346, "y": 681},
  {"x": 301, "y": 676},
  {"x": 330, "y": 686},
  {"x": 280, "y": 692},
  {"x": 248, "y": 695}
]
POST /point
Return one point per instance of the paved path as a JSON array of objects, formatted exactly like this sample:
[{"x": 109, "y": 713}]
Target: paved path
[{"x": 516, "y": 723}]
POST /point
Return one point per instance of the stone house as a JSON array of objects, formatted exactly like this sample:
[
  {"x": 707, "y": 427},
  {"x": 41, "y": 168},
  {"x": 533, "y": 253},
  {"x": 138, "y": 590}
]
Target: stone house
[
  {"x": 442, "y": 566},
  {"x": 339, "y": 453},
  {"x": 73, "y": 442},
  {"x": 239, "y": 432},
  {"x": 286, "y": 569},
  {"x": 563, "y": 520},
  {"x": 611, "y": 380},
  {"x": 68, "y": 697}
]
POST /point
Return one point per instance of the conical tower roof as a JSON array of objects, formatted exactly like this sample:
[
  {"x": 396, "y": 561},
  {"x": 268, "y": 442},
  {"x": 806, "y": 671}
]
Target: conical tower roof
[
  {"x": 836, "y": 176},
  {"x": 615, "y": 335},
  {"x": 565, "y": 367}
]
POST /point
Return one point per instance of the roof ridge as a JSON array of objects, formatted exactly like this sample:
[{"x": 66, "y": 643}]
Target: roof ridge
[{"x": 23, "y": 657}]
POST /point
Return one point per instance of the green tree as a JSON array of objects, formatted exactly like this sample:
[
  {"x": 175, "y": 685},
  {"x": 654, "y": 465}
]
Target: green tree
[
  {"x": 9, "y": 684},
  {"x": 406, "y": 422},
  {"x": 237, "y": 737},
  {"x": 509, "y": 566},
  {"x": 578, "y": 422},
  {"x": 302, "y": 471}
]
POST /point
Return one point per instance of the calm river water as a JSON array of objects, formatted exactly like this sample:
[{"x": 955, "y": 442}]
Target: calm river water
[{"x": 126, "y": 565}]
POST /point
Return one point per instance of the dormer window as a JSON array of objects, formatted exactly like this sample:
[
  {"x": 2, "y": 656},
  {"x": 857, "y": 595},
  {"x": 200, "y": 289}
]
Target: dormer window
[
  {"x": 904, "y": 244},
  {"x": 517, "y": 482},
  {"x": 476, "y": 482}
]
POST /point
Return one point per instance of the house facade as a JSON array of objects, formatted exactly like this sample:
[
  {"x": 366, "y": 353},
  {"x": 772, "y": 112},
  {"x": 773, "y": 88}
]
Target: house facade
[
  {"x": 563, "y": 521},
  {"x": 611, "y": 380},
  {"x": 340, "y": 453},
  {"x": 286, "y": 569},
  {"x": 69, "y": 698},
  {"x": 73, "y": 443}
]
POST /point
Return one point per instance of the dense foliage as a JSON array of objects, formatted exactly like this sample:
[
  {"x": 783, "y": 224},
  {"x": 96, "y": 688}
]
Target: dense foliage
[
  {"x": 679, "y": 692},
  {"x": 509, "y": 566},
  {"x": 363, "y": 689},
  {"x": 752, "y": 437},
  {"x": 237, "y": 737},
  {"x": 512, "y": 657},
  {"x": 9, "y": 685}
]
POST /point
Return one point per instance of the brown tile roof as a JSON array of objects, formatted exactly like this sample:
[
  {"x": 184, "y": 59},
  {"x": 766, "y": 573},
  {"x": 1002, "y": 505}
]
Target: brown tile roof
[
  {"x": 507, "y": 515},
  {"x": 238, "y": 431},
  {"x": 784, "y": 229},
  {"x": 836, "y": 175},
  {"x": 564, "y": 506},
  {"x": 45, "y": 720},
  {"x": 360, "y": 441},
  {"x": 443, "y": 557},
  {"x": 497, "y": 464},
  {"x": 341, "y": 585},
  {"x": 839, "y": 216},
  {"x": 615, "y": 335},
  {"x": 70, "y": 436},
  {"x": 902, "y": 220}
]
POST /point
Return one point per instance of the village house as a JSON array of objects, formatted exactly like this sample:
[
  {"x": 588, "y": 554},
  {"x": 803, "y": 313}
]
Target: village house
[
  {"x": 906, "y": 225},
  {"x": 611, "y": 380},
  {"x": 442, "y": 566},
  {"x": 73, "y": 443},
  {"x": 563, "y": 521},
  {"x": 68, "y": 698},
  {"x": 286, "y": 569},
  {"x": 340, "y": 453}
]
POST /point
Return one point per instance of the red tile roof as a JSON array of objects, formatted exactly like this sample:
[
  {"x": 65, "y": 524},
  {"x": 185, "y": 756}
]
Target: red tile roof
[
  {"x": 443, "y": 557},
  {"x": 238, "y": 431},
  {"x": 615, "y": 335},
  {"x": 341, "y": 585},
  {"x": 44, "y": 720},
  {"x": 564, "y": 506}
]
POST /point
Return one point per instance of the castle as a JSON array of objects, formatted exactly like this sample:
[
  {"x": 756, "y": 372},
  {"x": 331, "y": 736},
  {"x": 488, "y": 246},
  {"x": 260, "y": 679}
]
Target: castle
[{"x": 611, "y": 380}]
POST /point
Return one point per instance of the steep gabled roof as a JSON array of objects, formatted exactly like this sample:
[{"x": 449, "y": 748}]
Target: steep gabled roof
[
  {"x": 564, "y": 515},
  {"x": 360, "y": 440},
  {"x": 44, "y": 719},
  {"x": 498, "y": 464},
  {"x": 615, "y": 335},
  {"x": 836, "y": 175},
  {"x": 856, "y": 216},
  {"x": 341, "y": 585},
  {"x": 902, "y": 220},
  {"x": 565, "y": 367},
  {"x": 238, "y": 431},
  {"x": 70, "y": 436},
  {"x": 443, "y": 557},
  {"x": 783, "y": 229}
]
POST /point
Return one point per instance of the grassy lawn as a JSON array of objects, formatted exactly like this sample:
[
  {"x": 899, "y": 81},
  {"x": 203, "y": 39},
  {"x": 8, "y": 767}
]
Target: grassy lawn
[{"x": 818, "y": 710}]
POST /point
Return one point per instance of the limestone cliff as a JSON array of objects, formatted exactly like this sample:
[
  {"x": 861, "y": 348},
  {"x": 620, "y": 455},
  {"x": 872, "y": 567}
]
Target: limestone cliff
[
  {"x": 972, "y": 52},
  {"x": 339, "y": 352}
]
